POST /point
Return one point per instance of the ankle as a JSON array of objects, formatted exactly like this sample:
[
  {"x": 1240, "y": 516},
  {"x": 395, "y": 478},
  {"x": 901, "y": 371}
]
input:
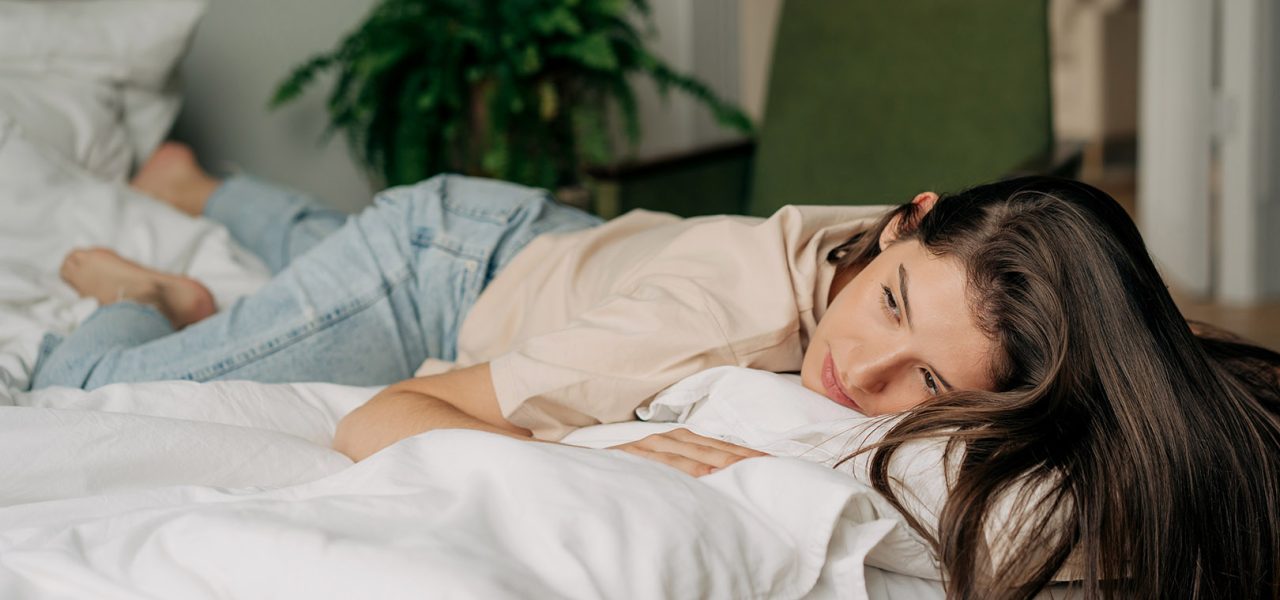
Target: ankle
[
  {"x": 148, "y": 294},
  {"x": 199, "y": 191}
]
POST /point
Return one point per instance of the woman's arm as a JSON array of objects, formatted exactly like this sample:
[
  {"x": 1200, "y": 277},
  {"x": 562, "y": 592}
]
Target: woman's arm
[
  {"x": 465, "y": 399},
  {"x": 461, "y": 399}
]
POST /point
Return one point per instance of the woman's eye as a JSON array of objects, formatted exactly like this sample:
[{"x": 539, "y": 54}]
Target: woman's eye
[
  {"x": 929, "y": 382},
  {"x": 890, "y": 303}
]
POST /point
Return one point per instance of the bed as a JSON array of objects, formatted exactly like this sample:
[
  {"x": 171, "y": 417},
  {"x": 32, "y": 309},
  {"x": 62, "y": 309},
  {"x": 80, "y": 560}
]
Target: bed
[{"x": 230, "y": 490}]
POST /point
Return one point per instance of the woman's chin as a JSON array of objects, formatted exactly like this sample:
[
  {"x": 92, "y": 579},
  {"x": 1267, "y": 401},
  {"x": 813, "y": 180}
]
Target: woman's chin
[{"x": 812, "y": 383}]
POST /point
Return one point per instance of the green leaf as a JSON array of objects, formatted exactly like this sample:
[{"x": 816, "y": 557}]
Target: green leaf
[
  {"x": 588, "y": 125},
  {"x": 427, "y": 99},
  {"x": 495, "y": 162},
  {"x": 726, "y": 114},
  {"x": 548, "y": 101},
  {"x": 612, "y": 7},
  {"x": 560, "y": 20},
  {"x": 530, "y": 61},
  {"x": 593, "y": 51},
  {"x": 301, "y": 77}
]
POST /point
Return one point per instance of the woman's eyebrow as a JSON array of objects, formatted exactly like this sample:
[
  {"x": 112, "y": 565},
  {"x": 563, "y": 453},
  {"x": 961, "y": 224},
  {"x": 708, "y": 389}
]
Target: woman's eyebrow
[
  {"x": 902, "y": 288},
  {"x": 906, "y": 311},
  {"x": 940, "y": 379}
]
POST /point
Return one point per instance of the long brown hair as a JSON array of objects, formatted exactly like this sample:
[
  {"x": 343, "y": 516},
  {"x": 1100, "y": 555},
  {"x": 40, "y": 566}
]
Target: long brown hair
[{"x": 1143, "y": 456}]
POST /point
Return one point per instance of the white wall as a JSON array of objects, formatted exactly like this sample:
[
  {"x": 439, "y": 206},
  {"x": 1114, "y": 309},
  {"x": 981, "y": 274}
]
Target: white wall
[
  {"x": 1210, "y": 142},
  {"x": 1271, "y": 209},
  {"x": 757, "y": 32},
  {"x": 716, "y": 60},
  {"x": 242, "y": 49},
  {"x": 1176, "y": 135},
  {"x": 692, "y": 37},
  {"x": 1244, "y": 125}
]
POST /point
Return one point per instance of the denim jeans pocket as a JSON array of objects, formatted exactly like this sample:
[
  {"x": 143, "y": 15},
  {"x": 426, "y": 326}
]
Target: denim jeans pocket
[{"x": 448, "y": 269}]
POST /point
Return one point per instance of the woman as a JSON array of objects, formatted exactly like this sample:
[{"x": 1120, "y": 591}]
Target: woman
[
  {"x": 1022, "y": 320},
  {"x": 1153, "y": 452}
]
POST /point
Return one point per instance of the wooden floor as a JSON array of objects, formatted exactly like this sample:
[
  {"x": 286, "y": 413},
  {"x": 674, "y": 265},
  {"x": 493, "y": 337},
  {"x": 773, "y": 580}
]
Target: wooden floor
[{"x": 1258, "y": 323}]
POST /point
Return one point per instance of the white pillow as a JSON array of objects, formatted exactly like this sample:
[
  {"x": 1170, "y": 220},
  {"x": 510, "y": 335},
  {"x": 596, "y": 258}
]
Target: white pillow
[
  {"x": 79, "y": 119},
  {"x": 774, "y": 413},
  {"x": 120, "y": 56}
]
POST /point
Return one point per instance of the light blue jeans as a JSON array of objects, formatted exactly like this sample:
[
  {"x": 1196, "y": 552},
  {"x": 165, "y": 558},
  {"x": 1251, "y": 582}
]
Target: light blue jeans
[{"x": 359, "y": 300}]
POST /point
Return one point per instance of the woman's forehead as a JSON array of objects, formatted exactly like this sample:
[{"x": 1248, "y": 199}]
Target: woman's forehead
[{"x": 932, "y": 292}]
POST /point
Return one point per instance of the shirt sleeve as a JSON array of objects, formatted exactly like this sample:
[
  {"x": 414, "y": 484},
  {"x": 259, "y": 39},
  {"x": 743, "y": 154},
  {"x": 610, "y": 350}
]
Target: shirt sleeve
[{"x": 611, "y": 359}]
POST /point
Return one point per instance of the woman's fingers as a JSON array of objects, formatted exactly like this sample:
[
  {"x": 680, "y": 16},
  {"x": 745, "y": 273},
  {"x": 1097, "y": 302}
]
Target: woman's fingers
[
  {"x": 688, "y": 465},
  {"x": 690, "y": 448},
  {"x": 692, "y": 453},
  {"x": 689, "y": 436}
]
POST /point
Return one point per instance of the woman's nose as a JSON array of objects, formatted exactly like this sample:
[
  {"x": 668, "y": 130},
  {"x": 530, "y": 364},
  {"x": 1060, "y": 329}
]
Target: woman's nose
[
  {"x": 869, "y": 369},
  {"x": 863, "y": 377}
]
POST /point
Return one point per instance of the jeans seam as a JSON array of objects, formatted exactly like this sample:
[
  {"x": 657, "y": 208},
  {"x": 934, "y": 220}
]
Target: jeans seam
[
  {"x": 311, "y": 327},
  {"x": 493, "y": 216},
  {"x": 426, "y": 239}
]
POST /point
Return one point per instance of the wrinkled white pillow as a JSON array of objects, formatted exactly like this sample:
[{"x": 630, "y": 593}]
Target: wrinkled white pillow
[
  {"x": 94, "y": 80},
  {"x": 776, "y": 414},
  {"x": 79, "y": 119}
]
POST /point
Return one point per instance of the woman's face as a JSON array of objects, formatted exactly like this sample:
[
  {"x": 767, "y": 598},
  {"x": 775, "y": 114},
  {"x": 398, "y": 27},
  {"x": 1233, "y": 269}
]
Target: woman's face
[{"x": 897, "y": 334}]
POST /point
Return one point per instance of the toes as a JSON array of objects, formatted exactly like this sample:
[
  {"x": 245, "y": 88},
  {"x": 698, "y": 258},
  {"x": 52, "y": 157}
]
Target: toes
[
  {"x": 100, "y": 252},
  {"x": 73, "y": 268},
  {"x": 71, "y": 262},
  {"x": 68, "y": 265},
  {"x": 80, "y": 260}
]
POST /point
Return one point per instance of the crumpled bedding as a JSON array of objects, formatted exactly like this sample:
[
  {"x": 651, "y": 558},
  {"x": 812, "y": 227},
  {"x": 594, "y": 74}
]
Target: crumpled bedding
[
  {"x": 48, "y": 206},
  {"x": 178, "y": 489}
]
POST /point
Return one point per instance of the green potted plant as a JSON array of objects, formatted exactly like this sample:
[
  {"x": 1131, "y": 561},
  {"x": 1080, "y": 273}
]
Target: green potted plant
[{"x": 514, "y": 89}]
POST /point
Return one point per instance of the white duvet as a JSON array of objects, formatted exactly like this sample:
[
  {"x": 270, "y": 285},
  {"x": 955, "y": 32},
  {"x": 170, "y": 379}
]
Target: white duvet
[{"x": 184, "y": 490}]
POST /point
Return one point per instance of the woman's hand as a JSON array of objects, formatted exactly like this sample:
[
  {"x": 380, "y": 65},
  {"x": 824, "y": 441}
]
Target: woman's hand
[{"x": 685, "y": 450}]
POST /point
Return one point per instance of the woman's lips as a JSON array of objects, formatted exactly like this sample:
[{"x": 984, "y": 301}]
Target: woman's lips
[{"x": 834, "y": 392}]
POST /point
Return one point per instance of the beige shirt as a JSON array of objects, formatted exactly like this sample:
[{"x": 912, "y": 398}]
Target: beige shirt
[{"x": 584, "y": 327}]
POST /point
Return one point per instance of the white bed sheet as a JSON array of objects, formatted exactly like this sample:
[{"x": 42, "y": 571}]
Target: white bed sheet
[
  {"x": 176, "y": 489},
  {"x": 229, "y": 489},
  {"x": 452, "y": 514}
]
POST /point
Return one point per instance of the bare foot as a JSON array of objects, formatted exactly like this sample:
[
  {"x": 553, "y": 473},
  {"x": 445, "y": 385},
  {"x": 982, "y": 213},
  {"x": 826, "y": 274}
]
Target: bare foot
[
  {"x": 173, "y": 176},
  {"x": 102, "y": 274}
]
